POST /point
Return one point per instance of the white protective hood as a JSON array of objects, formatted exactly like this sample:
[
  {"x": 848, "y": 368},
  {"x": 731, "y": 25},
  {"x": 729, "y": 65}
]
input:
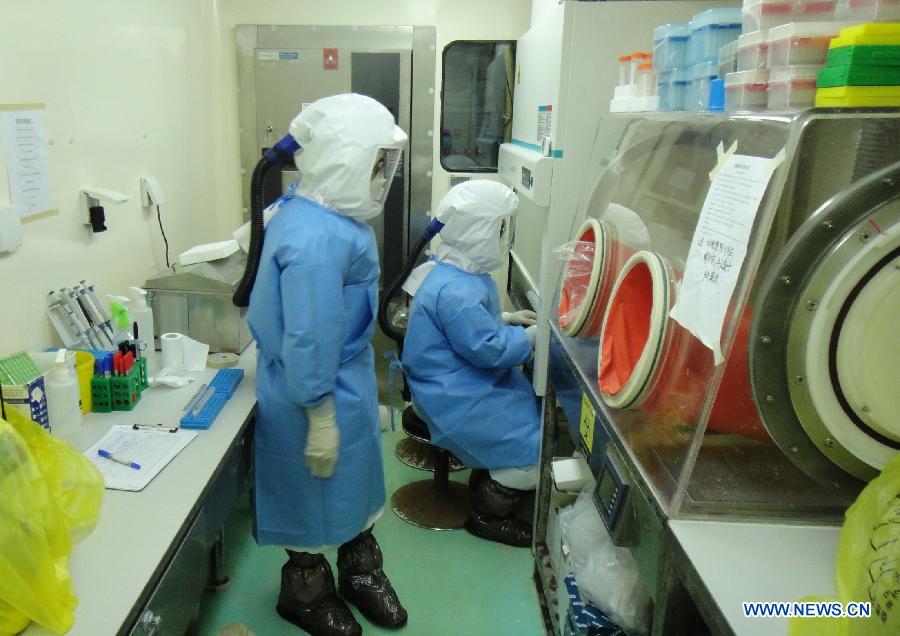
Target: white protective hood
[
  {"x": 349, "y": 151},
  {"x": 475, "y": 236}
]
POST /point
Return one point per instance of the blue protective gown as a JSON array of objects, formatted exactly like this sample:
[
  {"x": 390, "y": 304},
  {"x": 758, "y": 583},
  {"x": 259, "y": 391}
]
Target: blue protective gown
[
  {"x": 461, "y": 364},
  {"x": 312, "y": 313}
]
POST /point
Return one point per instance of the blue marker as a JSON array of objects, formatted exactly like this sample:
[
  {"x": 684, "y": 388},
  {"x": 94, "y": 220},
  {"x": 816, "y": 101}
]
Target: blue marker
[{"x": 120, "y": 460}]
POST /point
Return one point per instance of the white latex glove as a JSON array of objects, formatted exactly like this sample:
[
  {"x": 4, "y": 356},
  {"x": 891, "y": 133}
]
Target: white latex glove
[
  {"x": 322, "y": 440},
  {"x": 523, "y": 317},
  {"x": 531, "y": 332}
]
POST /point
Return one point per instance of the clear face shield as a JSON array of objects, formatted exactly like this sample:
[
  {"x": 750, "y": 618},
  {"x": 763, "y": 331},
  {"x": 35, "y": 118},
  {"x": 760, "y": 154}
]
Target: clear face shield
[
  {"x": 385, "y": 166},
  {"x": 505, "y": 235}
]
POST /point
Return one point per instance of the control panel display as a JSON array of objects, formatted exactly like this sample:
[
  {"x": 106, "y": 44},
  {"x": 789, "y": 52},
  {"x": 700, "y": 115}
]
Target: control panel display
[{"x": 611, "y": 490}]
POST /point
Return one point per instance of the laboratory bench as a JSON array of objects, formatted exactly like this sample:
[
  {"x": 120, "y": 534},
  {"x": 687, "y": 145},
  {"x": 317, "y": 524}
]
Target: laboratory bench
[
  {"x": 145, "y": 566},
  {"x": 698, "y": 569}
]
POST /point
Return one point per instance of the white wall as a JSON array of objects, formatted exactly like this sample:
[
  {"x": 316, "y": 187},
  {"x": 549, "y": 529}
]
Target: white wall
[
  {"x": 540, "y": 6},
  {"x": 127, "y": 92},
  {"x": 148, "y": 87}
]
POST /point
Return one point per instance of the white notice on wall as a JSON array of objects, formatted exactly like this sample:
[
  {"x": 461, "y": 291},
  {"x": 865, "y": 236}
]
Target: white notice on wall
[
  {"x": 25, "y": 151},
  {"x": 720, "y": 245}
]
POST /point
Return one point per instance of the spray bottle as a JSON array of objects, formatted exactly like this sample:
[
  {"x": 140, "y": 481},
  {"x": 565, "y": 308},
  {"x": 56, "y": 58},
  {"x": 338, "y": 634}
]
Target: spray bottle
[
  {"x": 120, "y": 317},
  {"x": 142, "y": 315},
  {"x": 63, "y": 396}
]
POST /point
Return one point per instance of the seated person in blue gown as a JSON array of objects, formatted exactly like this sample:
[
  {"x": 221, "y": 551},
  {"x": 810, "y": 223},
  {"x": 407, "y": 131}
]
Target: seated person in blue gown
[{"x": 461, "y": 357}]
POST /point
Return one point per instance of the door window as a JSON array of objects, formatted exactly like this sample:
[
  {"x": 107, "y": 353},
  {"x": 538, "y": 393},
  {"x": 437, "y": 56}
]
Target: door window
[{"x": 476, "y": 104}]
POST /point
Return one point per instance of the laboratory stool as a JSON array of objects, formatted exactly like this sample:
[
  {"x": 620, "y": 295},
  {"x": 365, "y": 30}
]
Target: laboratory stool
[
  {"x": 421, "y": 455},
  {"x": 435, "y": 504}
]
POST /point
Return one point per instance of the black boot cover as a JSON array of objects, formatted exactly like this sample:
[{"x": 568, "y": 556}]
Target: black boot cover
[
  {"x": 362, "y": 581},
  {"x": 477, "y": 476},
  {"x": 492, "y": 515},
  {"x": 308, "y": 598}
]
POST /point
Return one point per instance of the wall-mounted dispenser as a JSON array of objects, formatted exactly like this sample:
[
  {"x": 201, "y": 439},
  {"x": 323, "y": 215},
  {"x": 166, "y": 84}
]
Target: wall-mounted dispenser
[
  {"x": 94, "y": 214},
  {"x": 151, "y": 192}
]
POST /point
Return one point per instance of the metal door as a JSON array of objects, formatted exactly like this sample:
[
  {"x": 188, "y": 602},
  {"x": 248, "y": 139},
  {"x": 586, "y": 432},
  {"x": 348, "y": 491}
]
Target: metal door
[{"x": 281, "y": 68}]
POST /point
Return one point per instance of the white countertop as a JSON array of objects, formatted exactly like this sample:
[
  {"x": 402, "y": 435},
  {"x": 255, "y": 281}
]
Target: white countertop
[
  {"x": 112, "y": 566},
  {"x": 741, "y": 562}
]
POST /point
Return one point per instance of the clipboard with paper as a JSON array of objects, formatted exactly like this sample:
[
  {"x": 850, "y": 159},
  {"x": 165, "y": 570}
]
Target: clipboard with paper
[{"x": 151, "y": 449}]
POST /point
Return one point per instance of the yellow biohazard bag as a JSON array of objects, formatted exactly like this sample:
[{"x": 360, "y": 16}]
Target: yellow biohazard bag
[
  {"x": 50, "y": 496},
  {"x": 868, "y": 563}
]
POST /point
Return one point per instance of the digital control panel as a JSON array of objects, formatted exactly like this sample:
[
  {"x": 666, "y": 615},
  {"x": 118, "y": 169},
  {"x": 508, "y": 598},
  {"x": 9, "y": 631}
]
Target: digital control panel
[{"x": 611, "y": 489}]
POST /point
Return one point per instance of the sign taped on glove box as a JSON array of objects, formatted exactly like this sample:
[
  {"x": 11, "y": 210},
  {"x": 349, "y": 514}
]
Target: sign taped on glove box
[{"x": 719, "y": 245}]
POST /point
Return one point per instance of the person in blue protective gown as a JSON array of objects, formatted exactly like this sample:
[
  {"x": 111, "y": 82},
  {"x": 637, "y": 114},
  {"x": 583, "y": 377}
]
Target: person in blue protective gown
[
  {"x": 461, "y": 356},
  {"x": 319, "y": 479}
]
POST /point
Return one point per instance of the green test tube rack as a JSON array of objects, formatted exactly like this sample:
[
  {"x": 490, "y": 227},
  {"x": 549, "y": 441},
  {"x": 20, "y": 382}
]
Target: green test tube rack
[{"x": 120, "y": 393}]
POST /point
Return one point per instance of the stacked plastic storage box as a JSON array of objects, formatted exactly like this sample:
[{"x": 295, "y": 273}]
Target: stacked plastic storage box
[
  {"x": 874, "y": 11},
  {"x": 780, "y": 53},
  {"x": 762, "y": 15},
  {"x": 710, "y": 31},
  {"x": 670, "y": 46},
  {"x": 863, "y": 67},
  {"x": 796, "y": 54}
]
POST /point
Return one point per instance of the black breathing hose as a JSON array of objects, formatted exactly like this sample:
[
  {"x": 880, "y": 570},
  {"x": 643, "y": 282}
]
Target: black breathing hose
[
  {"x": 433, "y": 228},
  {"x": 273, "y": 158}
]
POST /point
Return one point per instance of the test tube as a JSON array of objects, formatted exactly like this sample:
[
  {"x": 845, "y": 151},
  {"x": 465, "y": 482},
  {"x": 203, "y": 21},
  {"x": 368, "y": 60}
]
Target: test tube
[
  {"x": 198, "y": 406},
  {"x": 638, "y": 57},
  {"x": 645, "y": 82},
  {"x": 624, "y": 70}
]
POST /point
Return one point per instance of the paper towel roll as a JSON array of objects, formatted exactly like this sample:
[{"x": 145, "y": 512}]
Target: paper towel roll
[
  {"x": 182, "y": 353},
  {"x": 172, "y": 350}
]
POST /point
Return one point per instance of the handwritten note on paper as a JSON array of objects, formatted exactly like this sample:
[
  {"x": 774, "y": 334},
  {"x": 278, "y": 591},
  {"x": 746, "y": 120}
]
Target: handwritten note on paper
[
  {"x": 25, "y": 151},
  {"x": 720, "y": 246},
  {"x": 152, "y": 450}
]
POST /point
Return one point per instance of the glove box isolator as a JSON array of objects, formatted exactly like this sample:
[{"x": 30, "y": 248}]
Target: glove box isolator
[{"x": 770, "y": 432}]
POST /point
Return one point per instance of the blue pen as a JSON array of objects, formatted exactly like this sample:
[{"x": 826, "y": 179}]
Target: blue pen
[{"x": 120, "y": 460}]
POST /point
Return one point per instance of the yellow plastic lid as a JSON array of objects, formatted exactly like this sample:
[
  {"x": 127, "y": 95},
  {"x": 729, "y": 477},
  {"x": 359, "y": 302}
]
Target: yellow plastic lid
[
  {"x": 858, "y": 96},
  {"x": 872, "y": 34}
]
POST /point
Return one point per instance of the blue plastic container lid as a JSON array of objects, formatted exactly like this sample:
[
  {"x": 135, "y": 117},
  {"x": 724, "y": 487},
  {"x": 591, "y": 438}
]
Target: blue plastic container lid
[
  {"x": 719, "y": 18},
  {"x": 705, "y": 70},
  {"x": 673, "y": 31},
  {"x": 717, "y": 95}
]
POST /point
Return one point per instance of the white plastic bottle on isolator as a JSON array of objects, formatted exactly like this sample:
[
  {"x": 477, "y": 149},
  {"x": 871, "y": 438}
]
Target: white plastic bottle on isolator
[
  {"x": 63, "y": 396},
  {"x": 142, "y": 314}
]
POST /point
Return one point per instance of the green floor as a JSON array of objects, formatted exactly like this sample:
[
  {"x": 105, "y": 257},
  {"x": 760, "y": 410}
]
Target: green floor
[{"x": 450, "y": 582}]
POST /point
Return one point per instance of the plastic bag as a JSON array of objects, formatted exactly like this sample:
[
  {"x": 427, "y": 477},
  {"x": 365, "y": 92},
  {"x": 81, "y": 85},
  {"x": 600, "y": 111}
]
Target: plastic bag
[
  {"x": 51, "y": 496},
  {"x": 868, "y": 563},
  {"x": 578, "y": 257},
  {"x": 607, "y": 575}
]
